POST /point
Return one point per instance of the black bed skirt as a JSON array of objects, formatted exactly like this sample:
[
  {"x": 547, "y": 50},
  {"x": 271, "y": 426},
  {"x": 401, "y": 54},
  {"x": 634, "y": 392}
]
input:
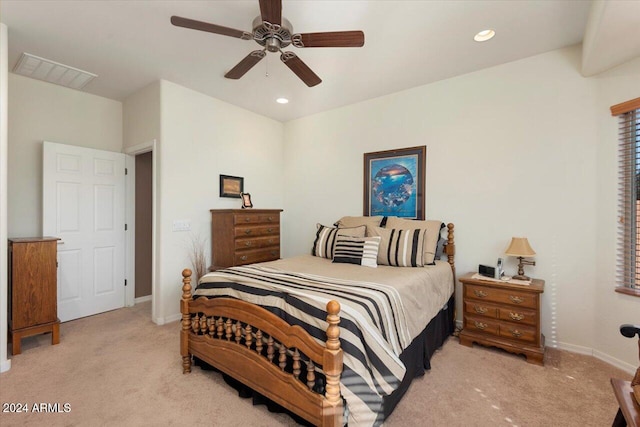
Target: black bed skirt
[{"x": 416, "y": 358}]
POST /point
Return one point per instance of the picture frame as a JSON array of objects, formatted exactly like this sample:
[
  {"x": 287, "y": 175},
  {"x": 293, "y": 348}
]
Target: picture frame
[
  {"x": 246, "y": 201},
  {"x": 231, "y": 186},
  {"x": 394, "y": 182}
]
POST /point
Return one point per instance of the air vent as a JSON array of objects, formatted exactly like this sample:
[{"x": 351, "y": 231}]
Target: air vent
[{"x": 52, "y": 72}]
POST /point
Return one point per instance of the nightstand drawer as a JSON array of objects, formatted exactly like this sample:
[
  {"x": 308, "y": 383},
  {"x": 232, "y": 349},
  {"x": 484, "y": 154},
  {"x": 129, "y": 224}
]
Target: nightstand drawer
[
  {"x": 518, "y": 332},
  {"x": 487, "y": 326},
  {"x": 502, "y": 296},
  {"x": 480, "y": 308},
  {"x": 518, "y": 315}
]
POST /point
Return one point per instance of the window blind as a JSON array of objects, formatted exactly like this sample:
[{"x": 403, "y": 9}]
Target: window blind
[{"x": 629, "y": 200}]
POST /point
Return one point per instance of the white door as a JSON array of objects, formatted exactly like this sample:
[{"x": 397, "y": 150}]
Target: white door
[{"x": 83, "y": 204}]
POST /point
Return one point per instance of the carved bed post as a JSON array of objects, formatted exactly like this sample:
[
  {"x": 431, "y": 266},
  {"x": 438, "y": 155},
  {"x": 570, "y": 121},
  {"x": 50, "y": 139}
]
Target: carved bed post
[
  {"x": 332, "y": 367},
  {"x": 186, "y": 320},
  {"x": 450, "y": 250}
]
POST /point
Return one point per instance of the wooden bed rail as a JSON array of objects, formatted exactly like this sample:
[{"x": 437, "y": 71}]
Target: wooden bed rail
[{"x": 264, "y": 352}]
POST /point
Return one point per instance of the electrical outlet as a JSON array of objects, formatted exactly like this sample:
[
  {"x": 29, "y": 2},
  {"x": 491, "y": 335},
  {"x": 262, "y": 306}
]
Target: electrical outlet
[{"x": 181, "y": 224}]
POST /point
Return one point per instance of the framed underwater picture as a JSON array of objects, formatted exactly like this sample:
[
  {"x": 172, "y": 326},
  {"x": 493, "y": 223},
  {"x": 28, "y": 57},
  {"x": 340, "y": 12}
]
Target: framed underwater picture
[{"x": 394, "y": 182}]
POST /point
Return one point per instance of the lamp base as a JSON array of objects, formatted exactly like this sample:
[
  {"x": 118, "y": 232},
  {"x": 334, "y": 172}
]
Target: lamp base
[{"x": 521, "y": 277}]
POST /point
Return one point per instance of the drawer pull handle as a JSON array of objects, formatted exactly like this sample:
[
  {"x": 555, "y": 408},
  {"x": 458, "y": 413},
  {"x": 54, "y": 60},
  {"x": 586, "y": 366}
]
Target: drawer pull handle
[
  {"x": 270, "y": 230},
  {"x": 480, "y": 325},
  {"x": 247, "y": 231},
  {"x": 480, "y": 310},
  {"x": 249, "y": 243},
  {"x": 516, "y": 299},
  {"x": 270, "y": 240},
  {"x": 243, "y": 257},
  {"x": 274, "y": 253},
  {"x": 247, "y": 219},
  {"x": 270, "y": 218},
  {"x": 479, "y": 294},
  {"x": 516, "y": 316},
  {"x": 516, "y": 333}
]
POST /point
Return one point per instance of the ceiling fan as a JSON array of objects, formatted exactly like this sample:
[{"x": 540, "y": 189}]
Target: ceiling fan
[{"x": 274, "y": 32}]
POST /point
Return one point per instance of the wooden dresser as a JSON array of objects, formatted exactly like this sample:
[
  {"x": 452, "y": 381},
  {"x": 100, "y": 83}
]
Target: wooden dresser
[
  {"x": 244, "y": 236},
  {"x": 33, "y": 294},
  {"x": 503, "y": 315}
]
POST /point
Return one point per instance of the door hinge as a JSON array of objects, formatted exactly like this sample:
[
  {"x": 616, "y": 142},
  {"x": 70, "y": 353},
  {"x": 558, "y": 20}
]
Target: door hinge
[
  {"x": 125, "y": 227},
  {"x": 126, "y": 171},
  {"x": 125, "y": 282}
]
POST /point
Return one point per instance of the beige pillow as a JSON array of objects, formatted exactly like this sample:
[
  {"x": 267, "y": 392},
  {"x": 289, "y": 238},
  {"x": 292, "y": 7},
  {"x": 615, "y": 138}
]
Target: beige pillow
[
  {"x": 431, "y": 239},
  {"x": 357, "y": 221},
  {"x": 400, "y": 248}
]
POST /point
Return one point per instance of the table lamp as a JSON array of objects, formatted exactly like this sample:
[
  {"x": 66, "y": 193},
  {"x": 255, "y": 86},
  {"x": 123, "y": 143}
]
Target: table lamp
[{"x": 519, "y": 247}]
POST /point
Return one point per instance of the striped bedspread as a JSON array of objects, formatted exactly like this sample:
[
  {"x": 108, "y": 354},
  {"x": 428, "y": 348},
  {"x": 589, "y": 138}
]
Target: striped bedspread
[{"x": 375, "y": 324}]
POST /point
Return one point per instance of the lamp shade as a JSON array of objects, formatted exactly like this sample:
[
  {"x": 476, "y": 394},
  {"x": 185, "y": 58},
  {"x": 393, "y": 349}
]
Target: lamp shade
[{"x": 519, "y": 246}]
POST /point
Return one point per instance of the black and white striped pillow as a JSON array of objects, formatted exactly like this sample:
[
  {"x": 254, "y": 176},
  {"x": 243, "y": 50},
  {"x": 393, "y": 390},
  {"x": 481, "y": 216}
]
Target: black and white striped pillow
[
  {"x": 325, "y": 242},
  {"x": 400, "y": 248},
  {"x": 357, "y": 250}
]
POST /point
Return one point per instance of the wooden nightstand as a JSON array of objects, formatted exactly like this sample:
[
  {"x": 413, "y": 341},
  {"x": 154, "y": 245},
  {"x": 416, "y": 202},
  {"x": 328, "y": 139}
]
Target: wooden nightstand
[{"x": 503, "y": 315}]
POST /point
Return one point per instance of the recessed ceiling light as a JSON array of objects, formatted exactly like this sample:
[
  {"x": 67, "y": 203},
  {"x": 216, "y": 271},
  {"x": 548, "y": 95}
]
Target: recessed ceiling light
[
  {"x": 282, "y": 101},
  {"x": 484, "y": 35}
]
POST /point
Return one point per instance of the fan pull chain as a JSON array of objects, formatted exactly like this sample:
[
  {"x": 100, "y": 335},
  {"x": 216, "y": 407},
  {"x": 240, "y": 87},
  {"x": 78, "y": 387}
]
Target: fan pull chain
[{"x": 266, "y": 66}]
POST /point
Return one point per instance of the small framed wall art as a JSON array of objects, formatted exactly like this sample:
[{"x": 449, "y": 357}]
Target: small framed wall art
[
  {"x": 394, "y": 182},
  {"x": 231, "y": 186},
  {"x": 246, "y": 201}
]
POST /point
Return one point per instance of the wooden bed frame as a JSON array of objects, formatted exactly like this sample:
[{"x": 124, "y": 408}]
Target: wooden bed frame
[{"x": 265, "y": 353}]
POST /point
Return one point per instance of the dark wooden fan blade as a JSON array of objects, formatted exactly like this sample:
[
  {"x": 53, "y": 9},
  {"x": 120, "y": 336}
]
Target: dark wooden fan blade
[
  {"x": 245, "y": 65},
  {"x": 300, "y": 69},
  {"x": 271, "y": 11},
  {"x": 210, "y": 28},
  {"x": 331, "y": 39}
]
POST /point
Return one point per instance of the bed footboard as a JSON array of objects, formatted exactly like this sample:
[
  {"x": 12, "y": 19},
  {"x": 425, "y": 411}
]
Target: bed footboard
[{"x": 264, "y": 352}]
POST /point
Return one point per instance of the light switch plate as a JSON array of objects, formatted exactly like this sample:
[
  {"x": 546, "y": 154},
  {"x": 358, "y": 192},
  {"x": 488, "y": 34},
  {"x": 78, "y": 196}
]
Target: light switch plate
[{"x": 181, "y": 224}]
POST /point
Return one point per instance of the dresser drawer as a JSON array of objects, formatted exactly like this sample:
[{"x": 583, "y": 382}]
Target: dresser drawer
[
  {"x": 257, "y": 242},
  {"x": 518, "y": 332},
  {"x": 249, "y": 218},
  {"x": 482, "y": 324},
  {"x": 501, "y": 296},
  {"x": 256, "y": 255},
  {"x": 256, "y": 230}
]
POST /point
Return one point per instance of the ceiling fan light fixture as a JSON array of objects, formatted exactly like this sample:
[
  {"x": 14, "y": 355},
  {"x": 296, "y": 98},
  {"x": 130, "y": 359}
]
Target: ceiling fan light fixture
[
  {"x": 282, "y": 100},
  {"x": 484, "y": 35}
]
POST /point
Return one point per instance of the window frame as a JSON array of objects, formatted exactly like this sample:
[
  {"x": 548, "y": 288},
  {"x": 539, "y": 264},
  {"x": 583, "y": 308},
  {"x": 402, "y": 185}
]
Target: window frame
[{"x": 629, "y": 162}]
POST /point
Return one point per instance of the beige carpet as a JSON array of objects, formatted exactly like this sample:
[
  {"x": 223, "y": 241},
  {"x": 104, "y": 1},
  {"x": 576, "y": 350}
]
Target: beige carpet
[{"x": 119, "y": 369}]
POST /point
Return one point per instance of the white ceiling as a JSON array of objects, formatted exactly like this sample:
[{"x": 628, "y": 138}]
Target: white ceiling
[{"x": 130, "y": 44}]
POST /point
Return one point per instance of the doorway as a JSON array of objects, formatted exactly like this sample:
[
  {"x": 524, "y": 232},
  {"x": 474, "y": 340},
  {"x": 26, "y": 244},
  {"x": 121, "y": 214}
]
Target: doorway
[
  {"x": 143, "y": 226},
  {"x": 141, "y": 217}
]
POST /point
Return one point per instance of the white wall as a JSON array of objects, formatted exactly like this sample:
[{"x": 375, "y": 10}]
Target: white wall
[
  {"x": 512, "y": 150},
  {"x": 141, "y": 116},
  {"x": 5, "y": 364},
  {"x": 41, "y": 111},
  {"x": 201, "y": 138}
]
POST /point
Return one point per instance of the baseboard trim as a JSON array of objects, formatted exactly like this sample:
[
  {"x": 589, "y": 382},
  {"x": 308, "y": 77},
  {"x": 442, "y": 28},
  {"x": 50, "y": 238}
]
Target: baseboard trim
[
  {"x": 588, "y": 351},
  {"x": 168, "y": 319},
  {"x": 598, "y": 355},
  {"x": 615, "y": 362},
  {"x": 142, "y": 299},
  {"x": 5, "y": 365}
]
